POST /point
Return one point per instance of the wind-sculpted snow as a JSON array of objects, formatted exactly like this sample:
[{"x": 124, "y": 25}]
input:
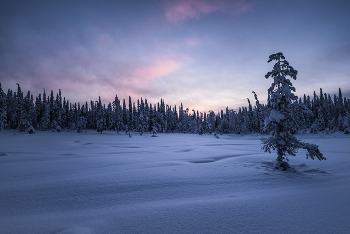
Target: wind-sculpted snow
[{"x": 174, "y": 183}]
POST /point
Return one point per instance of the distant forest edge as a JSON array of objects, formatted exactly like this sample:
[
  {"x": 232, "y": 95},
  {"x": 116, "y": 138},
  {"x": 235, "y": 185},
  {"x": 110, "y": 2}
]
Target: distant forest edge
[{"x": 54, "y": 113}]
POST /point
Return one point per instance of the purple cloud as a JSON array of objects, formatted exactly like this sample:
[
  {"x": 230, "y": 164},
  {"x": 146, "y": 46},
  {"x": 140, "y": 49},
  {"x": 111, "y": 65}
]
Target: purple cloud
[{"x": 181, "y": 10}]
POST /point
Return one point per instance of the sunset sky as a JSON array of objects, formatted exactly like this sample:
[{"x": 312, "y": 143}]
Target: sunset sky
[{"x": 207, "y": 54}]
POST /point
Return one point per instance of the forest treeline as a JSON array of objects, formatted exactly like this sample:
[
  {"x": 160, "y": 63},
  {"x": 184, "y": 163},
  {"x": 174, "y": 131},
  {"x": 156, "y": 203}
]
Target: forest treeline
[{"x": 52, "y": 112}]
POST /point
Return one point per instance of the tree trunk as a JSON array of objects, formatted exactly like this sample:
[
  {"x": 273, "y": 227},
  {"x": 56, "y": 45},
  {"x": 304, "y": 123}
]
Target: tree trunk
[{"x": 279, "y": 163}]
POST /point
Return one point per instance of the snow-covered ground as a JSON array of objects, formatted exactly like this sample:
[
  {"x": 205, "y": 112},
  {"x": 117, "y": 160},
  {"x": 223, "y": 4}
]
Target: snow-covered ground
[{"x": 174, "y": 183}]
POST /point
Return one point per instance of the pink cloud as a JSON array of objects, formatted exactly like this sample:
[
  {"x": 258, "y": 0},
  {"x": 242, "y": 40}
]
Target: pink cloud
[
  {"x": 133, "y": 78},
  {"x": 181, "y": 10},
  {"x": 157, "y": 68}
]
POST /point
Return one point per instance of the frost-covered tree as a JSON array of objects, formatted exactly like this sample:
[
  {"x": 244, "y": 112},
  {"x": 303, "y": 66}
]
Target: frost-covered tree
[
  {"x": 82, "y": 121},
  {"x": 245, "y": 122},
  {"x": 21, "y": 118},
  {"x": 154, "y": 131},
  {"x": 210, "y": 122},
  {"x": 319, "y": 124},
  {"x": 346, "y": 124},
  {"x": 281, "y": 122},
  {"x": 340, "y": 123},
  {"x": 100, "y": 116},
  {"x": 117, "y": 114},
  {"x": 258, "y": 115},
  {"x": 200, "y": 129},
  {"x": 3, "y": 109},
  {"x": 45, "y": 121},
  {"x": 100, "y": 125},
  {"x": 130, "y": 116}
]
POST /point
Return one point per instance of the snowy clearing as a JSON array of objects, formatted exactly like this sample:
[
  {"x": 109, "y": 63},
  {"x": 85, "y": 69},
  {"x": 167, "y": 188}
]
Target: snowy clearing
[{"x": 174, "y": 183}]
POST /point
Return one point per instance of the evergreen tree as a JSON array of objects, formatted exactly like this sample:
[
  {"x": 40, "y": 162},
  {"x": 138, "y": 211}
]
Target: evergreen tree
[
  {"x": 3, "y": 109},
  {"x": 134, "y": 117},
  {"x": 38, "y": 110},
  {"x": 184, "y": 122},
  {"x": 58, "y": 109},
  {"x": 181, "y": 117},
  {"x": 117, "y": 114},
  {"x": 249, "y": 117},
  {"x": 45, "y": 121},
  {"x": 321, "y": 97},
  {"x": 340, "y": 123},
  {"x": 91, "y": 123},
  {"x": 82, "y": 121},
  {"x": 100, "y": 118},
  {"x": 340, "y": 100},
  {"x": 346, "y": 123},
  {"x": 30, "y": 109},
  {"x": 147, "y": 115},
  {"x": 11, "y": 110},
  {"x": 125, "y": 116},
  {"x": 142, "y": 119},
  {"x": 52, "y": 109},
  {"x": 44, "y": 97},
  {"x": 319, "y": 124},
  {"x": 21, "y": 118},
  {"x": 130, "y": 119},
  {"x": 162, "y": 116},
  {"x": 259, "y": 115},
  {"x": 110, "y": 117},
  {"x": 281, "y": 122},
  {"x": 151, "y": 118},
  {"x": 154, "y": 131}
]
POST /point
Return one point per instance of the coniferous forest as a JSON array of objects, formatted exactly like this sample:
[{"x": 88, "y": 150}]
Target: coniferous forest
[{"x": 53, "y": 112}]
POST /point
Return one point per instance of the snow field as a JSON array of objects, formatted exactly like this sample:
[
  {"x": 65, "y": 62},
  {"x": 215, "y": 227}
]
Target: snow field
[{"x": 174, "y": 183}]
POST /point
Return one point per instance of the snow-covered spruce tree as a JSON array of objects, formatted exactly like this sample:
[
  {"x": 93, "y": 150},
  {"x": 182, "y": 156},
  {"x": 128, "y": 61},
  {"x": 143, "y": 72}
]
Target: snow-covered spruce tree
[
  {"x": 100, "y": 125},
  {"x": 319, "y": 123},
  {"x": 346, "y": 125},
  {"x": 81, "y": 125},
  {"x": 258, "y": 114},
  {"x": 154, "y": 131},
  {"x": 45, "y": 120},
  {"x": 281, "y": 123},
  {"x": 3, "y": 109}
]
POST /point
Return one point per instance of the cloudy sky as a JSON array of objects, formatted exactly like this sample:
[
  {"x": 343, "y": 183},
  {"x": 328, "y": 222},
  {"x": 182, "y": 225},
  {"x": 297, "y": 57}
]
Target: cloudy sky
[{"x": 207, "y": 54}]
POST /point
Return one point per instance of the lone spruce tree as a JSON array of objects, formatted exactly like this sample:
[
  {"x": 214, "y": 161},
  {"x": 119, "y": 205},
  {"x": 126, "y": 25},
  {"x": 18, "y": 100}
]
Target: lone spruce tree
[{"x": 282, "y": 105}]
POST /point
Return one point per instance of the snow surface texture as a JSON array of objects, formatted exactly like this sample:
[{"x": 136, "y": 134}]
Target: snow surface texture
[{"x": 174, "y": 183}]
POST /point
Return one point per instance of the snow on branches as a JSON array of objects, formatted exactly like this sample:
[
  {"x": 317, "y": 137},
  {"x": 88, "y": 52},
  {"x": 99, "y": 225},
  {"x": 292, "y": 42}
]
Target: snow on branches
[{"x": 281, "y": 122}]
